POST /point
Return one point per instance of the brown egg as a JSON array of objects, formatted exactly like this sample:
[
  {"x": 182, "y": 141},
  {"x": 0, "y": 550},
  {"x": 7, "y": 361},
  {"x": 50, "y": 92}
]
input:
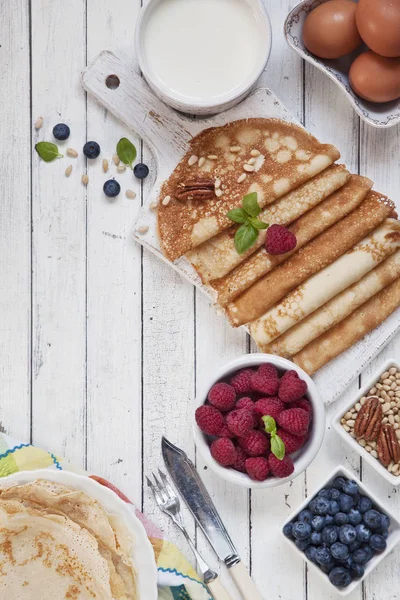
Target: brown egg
[
  {"x": 375, "y": 78},
  {"x": 378, "y": 22},
  {"x": 330, "y": 30}
]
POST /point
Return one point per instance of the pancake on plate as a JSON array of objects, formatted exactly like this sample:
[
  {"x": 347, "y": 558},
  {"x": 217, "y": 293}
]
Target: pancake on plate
[{"x": 59, "y": 543}]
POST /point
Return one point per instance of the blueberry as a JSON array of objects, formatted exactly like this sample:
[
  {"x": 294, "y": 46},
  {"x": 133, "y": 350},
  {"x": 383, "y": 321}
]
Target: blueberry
[
  {"x": 346, "y": 502},
  {"x": 338, "y": 483},
  {"x": 341, "y": 518},
  {"x": 329, "y": 535},
  {"x": 328, "y": 567},
  {"x": 351, "y": 488},
  {"x": 363, "y": 533},
  {"x": 335, "y": 494},
  {"x": 61, "y": 132},
  {"x": 329, "y": 520},
  {"x": 313, "y": 506},
  {"x": 325, "y": 493},
  {"x": 323, "y": 555},
  {"x": 305, "y": 516},
  {"x": 287, "y": 530},
  {"x": 340, "y": 577},
  {"x": 355, "y": 517},
  {"x": 363, "y": 555},
  {"x": 357, "y": 570},
  {"x": 339, "y": 551},
  {"x": 318, "y": 523},
  {"x": 364, "y": 504},
  {"x": 347, "y": 534},
  {"x": 302, "y": 544},
  {"x": 385, "y": 524},
  {"x": 373, "y": 519},
  {"x": 355, "y": 545},
  {"x": 377, "y": 543},
  {"x": 322, "y": 505},
  {"x": 301, "y": 530},
  {"x": 316, "y": 538},
  {"x": 348, "y": 563},
  {"x": 91, "y": 149},
  {"x": 385, "y": 534},
  {"x": 111, "y": 188},
  {"x": 141, "y": 171},
  {"x": 310, "y": 553},
  {"x": 333, "y": 507}
]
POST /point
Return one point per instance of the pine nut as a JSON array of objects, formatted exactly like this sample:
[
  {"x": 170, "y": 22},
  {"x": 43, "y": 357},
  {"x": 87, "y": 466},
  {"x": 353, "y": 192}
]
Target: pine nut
[
  {"x": 217, "y": 183},
  {"x": 348, "y": 416},
  {"x": 351, "y": 422},
  {"x": 218, "y": 193},
  {"x": 153, "y": 206},
  {"x": 248, "y": 168},
  {"x": 68, "y": 171},
  {"x": 212, "y": 157},
  {"x": 358, "y": 407},
  {"x": 202, "y": 160},
  {"x": 368, "y": 448},
  {"x": 392, "y": 370},
  {"x": 105, "y": 165},
  {"x": 235, "y": 149},
  {"x": 251, "y": 161},
  {"x": 130, "y": 194},
  {"x": 121, "y": 168},
  {"x": 39, "y": 123},
  {"x": 193, "y": 160},
  {"x": 374, "y": 453},
  {"x": 72, "y": 152},
  {"x": 242, "y": 178},
  {"x": 362, "y": 443},
  {"x": 166, "y": 201},
  {"x": 255, "y": 153},
  {"x": 143, "y": 229},
  {"x": 85, "y": 179},
  {"x": 116, "y": 159}
]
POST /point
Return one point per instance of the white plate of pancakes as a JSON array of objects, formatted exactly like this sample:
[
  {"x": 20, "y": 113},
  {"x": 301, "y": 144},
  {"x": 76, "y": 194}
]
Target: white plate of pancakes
[{"x": 79, "y": 536}]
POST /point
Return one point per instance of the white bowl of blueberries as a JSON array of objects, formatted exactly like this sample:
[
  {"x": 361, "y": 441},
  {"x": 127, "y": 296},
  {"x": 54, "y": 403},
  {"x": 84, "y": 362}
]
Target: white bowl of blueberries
[{"x": 343, "y": 531}]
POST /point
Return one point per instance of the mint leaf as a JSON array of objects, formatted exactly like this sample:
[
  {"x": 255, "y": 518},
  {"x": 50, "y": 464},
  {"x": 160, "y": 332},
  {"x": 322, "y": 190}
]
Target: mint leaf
[
  {"x": 245, "y": 237},
  {"x": 126, "y": 151},
  {"x": 237, "y": 215},
  {"x": 250, "y": 205},
  {"x": 269, "y": 424},
  {"x": 47, "y": 151},
  {"x": 258, "y": 224},
  {"x": 278, "y": 447}
]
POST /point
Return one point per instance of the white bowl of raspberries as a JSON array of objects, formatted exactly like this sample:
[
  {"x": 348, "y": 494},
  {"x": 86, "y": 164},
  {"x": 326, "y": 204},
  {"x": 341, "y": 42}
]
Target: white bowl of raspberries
[{"x": 260, "y": 421}]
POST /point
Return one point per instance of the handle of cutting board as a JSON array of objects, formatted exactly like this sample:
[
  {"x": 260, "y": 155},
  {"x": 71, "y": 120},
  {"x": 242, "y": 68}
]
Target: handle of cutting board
[
  {"x": 217, "y": 590},
  {"x": 136, "y": 105},
  {"x": 244, "y": 582}
]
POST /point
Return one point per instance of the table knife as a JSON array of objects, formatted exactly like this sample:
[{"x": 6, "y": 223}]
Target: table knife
[{"x": 191, "y": 488}]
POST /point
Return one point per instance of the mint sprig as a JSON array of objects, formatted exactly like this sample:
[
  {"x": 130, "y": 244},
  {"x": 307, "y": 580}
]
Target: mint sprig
[
  {"x": 126, "y": 151},
  {"x": 47, "y": 151},
  {"x": 277, "y": 444},
  {"x": 246, "y": 217}
]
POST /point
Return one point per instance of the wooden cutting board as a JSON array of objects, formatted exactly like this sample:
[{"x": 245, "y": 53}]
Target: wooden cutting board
[{"x": 168, "y": 133}]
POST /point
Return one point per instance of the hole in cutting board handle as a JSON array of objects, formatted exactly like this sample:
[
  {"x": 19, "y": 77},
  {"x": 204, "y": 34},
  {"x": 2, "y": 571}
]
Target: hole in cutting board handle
[{"x": 113, "y": 82}]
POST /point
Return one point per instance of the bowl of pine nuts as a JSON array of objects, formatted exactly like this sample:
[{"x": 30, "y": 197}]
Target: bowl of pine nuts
[{"x": 370, "y": 423}]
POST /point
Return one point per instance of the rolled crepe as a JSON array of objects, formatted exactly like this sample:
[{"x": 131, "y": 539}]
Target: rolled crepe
[
  {"x": 314, "y": 222},
  {"x": 216, "y": 257},
  {"x": 328, "y": 283},
  {"x": 314, "y": 257},
  {"x": 337, "y": 309},
  {"x": 341, "y": 337}
]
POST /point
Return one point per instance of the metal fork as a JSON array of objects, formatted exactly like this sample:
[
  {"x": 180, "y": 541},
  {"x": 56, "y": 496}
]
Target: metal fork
[{"x": 169, "y": 503}]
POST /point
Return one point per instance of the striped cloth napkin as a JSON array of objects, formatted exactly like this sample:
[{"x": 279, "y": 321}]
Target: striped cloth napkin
[{"x": 177, "y": 580}]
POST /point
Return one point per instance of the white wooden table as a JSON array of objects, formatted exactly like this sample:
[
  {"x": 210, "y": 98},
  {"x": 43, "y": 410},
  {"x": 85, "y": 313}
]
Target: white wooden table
[{"x": 102, "y": 346}]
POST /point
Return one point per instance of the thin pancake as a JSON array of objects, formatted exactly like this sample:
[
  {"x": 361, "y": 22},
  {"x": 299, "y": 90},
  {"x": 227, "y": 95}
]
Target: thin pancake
[
  {"x": 288, "y": 157},
  {"x": 318, "y": 254},
  {"x": 341, "y": 337},
  {"x": 216, "y": 257},
  {"x": 337, "y": 309},
  {"x": 317, "y": 220},
  {"x": 328, "y": 283}
]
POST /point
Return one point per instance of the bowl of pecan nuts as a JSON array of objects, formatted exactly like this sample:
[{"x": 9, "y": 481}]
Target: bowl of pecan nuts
[{"x": 370, "y": 423}]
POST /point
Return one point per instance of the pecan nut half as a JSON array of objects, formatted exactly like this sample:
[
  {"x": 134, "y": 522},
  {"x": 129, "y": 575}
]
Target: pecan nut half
[
  {"x": 195, "y": 189},
  {"x": 369, "y": 420},
  {"x": 388, "y": 446}
]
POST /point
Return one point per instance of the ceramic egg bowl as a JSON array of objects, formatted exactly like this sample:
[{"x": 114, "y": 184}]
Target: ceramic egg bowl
[{"x": 378, "y": 115}]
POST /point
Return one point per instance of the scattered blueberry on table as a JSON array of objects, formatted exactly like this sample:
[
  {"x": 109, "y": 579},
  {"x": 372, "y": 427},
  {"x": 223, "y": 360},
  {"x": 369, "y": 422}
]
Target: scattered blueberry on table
[
  {"x": 61, "y": 131},
  {"x": 340, "y": 542},
  {"x": 111, "y": 188},
  {"x": 91, "y": 150},
  {"x": 141, "y": 171}
]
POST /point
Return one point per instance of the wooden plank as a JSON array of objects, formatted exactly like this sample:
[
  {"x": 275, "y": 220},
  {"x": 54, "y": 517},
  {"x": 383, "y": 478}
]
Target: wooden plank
[
  {"x": 113, "y": 281},
  {"x": 15, "y": 236},
  {"x": 59, "y": 234}
]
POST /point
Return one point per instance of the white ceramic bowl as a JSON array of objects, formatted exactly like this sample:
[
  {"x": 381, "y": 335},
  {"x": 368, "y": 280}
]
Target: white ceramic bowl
[
  {"x": 302, "y": 458},
  {"x": 187, "y": 105},
  {"x": 392, "y": 541},
  {"x": 378, "y": 115},
  {"x": 142, "y": 552},
  {"x": 375, "y": 464}
]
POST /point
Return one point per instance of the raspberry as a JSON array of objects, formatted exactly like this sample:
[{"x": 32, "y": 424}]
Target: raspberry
[
  {"x": 269, "y": 406},
  {"x": 226, "y": 432},
  {"x": 280, "y": 240},
  {"x": 241, "y": 457},
  {"x": 257, "y": 468},
  {"x": 291, "y": 387},
  {"x": 223, "y": 451},
  {"x": 304, "y": 404},
  {"x": 209, "y": 419},
  {"x": 249, "y": 404},
  {"x": 294, "y": 420},
  {"x": 240, "y": 421},
  {"x": 280, "y": 468},
  {"x": 241, "y": 381},
  {"x": 222, "y": 396},
  {"x": 254, "y": 443},
  {"x": 265, "y": 380},
  {"x": 292, "y": 442}
]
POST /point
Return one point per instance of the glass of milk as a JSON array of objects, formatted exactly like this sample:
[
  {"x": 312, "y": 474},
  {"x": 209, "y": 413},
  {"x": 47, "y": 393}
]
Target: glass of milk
[{"x": 203, "y": 56}]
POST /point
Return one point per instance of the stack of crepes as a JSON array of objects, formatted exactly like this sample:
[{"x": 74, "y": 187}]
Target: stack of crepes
[{"x": 342, "y": 279}]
